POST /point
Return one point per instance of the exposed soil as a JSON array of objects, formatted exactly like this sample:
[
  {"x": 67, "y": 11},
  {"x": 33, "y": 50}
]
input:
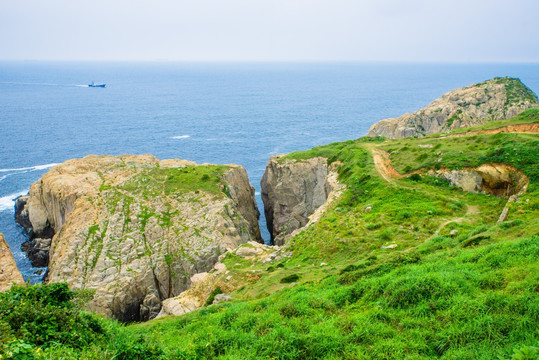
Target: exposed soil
[{"x": 520, "y": 129}]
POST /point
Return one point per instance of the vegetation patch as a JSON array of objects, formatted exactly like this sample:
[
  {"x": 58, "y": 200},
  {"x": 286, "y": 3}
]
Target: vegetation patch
[
  {"x": 290, "y": 279},
  {"x": 457, "y": 285}
]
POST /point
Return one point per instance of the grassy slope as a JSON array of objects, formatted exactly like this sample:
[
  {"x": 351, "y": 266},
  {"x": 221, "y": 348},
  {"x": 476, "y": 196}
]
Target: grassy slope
[{"x": 472, "y": 295}]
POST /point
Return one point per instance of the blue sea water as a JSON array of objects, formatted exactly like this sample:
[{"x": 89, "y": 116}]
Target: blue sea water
[{"x": 219, "y": 113}]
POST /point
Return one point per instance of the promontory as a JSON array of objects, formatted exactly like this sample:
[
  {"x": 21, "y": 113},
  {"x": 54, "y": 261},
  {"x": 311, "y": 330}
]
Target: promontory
[
  {"x": 496, "y": 99},
  {"x": 135, "y": 229}
]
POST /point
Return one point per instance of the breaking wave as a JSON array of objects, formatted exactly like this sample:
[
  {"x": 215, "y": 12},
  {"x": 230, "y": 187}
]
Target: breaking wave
[
  {"x": 180, "y": 137},
  {"x": 30, "y": 168},
  {"x": 8, "y": 202}
]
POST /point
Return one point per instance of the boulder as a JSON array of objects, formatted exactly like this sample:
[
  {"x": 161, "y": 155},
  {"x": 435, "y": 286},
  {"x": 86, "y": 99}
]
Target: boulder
[{"x": 219, "y": 298}]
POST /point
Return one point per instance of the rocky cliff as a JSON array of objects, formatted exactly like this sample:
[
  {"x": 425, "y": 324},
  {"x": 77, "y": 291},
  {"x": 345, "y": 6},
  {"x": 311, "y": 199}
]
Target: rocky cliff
[
  {"x": 136, "y": 229},
  {"x": 9, "y": 273},
  {"x": 292, "y": 191},
  {"x": 496, "y": 99}
]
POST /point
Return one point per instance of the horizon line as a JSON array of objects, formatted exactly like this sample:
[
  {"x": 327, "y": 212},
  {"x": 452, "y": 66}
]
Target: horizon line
[{"x": 388, "y": 62}]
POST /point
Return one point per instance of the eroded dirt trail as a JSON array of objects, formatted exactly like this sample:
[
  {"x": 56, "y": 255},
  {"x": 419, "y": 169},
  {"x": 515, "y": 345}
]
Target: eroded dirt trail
[{"x": 382, "y": 164}]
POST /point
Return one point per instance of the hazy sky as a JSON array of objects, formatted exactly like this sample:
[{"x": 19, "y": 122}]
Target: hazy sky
[{"x": 269, "y": 30}]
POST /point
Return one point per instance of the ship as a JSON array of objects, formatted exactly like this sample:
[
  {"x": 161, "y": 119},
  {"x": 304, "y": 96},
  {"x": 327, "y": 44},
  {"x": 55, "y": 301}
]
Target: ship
[{"x": 93, "y": 84}]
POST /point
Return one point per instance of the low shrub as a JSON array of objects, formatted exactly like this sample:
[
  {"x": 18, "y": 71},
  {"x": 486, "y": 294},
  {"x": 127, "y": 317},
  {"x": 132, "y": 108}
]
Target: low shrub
[
  {"x": 41, "y": 315},
  {"x": 290, "y": 279}
]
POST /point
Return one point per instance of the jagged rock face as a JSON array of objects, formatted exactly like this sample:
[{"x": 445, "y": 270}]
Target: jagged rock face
[
  {"x": 9, "y": 273},
  {"x": 136, "y": 229},
  {"x": 291, "y": 192},
  {"x": 496, "y": 99},
  {"x": 496, "y": 179}
]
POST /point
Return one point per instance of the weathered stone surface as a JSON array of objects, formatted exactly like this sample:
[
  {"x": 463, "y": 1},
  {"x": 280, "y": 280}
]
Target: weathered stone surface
[
  {"x": 9, "y": 273},
  {"x": 496, "y": 179},
  {"x": 123, "y": 228},
  {"x": 204, "y": 283},
  {"x": 292, "y": 191},
  {"x": 496, "y": 99},
  {"x": 219, "y": 298}
]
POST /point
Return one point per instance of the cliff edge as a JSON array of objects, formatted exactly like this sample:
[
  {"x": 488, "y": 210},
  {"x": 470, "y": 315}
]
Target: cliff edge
[
  {"x": 136, "y": 229},
  {"x": 495, "y": 99}
]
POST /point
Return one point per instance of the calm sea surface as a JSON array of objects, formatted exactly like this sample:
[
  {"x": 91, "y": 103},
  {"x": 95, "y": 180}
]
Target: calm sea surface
[{"x": 217, "y": 113}]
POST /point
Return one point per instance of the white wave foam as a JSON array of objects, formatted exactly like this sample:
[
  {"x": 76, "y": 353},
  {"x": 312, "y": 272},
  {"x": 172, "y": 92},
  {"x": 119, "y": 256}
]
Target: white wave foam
[
  {"x": 180, "y": 137},
  {"x": 30, "y": 168},
  {"x": 8, "y": 202},
  {"x": 257, "y": 193}
]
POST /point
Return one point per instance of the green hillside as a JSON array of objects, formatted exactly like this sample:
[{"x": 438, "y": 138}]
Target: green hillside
[{"x": 400, "y": 267}]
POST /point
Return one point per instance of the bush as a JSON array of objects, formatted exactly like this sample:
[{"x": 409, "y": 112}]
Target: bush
[
  {"x": 290, "y": 279},
  {"x": 45, "y": 314}
]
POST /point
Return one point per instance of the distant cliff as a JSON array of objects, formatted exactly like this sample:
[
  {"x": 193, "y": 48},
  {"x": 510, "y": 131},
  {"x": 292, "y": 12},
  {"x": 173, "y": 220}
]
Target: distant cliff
[
  {"x": 496, "y": 99},
  {"x": 136, "y": 229},
  {"x": 9, "y": 273}
]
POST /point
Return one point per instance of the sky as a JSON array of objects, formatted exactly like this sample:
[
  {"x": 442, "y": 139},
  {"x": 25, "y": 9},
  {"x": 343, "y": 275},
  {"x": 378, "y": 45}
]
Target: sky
[{"x": 270, "y": 30}]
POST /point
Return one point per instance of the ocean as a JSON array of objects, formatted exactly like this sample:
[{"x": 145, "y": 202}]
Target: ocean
[{"x": 220, "y": 113}]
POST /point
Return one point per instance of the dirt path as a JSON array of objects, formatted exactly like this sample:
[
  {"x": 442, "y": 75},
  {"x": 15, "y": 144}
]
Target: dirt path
[
  {"x": 382, "y": 161},
  {"x": 382, "y": 164}
]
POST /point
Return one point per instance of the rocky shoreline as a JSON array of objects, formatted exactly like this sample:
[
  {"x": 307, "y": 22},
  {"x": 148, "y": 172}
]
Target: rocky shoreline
[{"x": 148, "y": 235}]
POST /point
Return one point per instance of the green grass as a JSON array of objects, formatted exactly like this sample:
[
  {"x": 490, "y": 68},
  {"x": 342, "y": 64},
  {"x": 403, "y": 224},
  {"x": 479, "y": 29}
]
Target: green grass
[
  {"x": 516, "y": 90},
  {"x": 453, "y": 304},
  {"x": 521, "y": 151},
  {"x": 168, "y": 181},
  {"x": 457, "y": 286}
]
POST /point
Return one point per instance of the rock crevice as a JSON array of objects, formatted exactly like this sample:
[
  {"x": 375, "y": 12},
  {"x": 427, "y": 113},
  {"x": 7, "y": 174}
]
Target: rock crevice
[{"x": 292, "y": 191}]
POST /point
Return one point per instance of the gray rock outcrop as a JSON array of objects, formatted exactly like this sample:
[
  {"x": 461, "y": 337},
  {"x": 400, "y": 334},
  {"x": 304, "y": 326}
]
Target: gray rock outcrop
[
  {"x": 9, "y": 273},
  {"x": 291, "y": 192},
  {"x": 496, "y": 99},
  {"x": 136, "y": 229},
  {"x": 496, "y": 179}
]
